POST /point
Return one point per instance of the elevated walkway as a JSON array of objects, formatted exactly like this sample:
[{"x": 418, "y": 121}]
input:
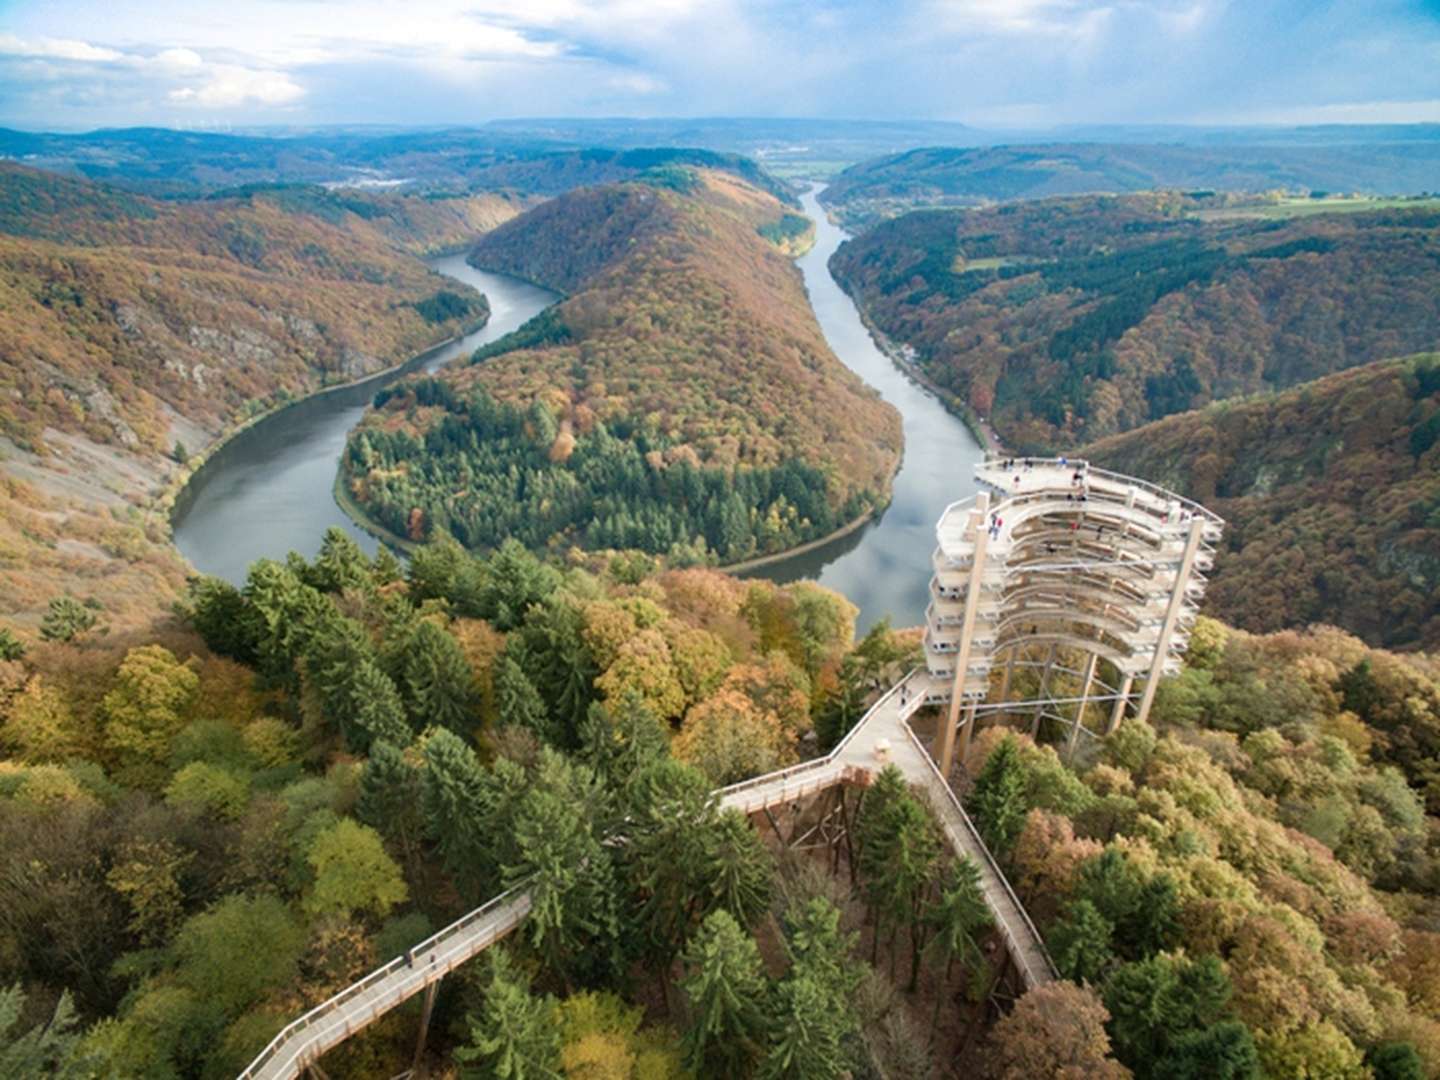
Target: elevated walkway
[{"x": 881, "y": 737}]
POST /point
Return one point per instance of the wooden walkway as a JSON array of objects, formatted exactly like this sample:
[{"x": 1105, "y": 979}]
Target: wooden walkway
[{"x": 882, "y": 737}]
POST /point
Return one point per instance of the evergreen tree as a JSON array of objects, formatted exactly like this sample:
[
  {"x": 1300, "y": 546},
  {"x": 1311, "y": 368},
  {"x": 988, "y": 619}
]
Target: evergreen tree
[
  {"x": 1394, "y": 1061},
  {"x": 559, "y": 858},
  {"x": 517, "y": 1035},
  {"x": 453, "y": 804},
  {"x": 66, "y": 619},
  {"x": 809, "y": 1033},
  {"x": 518, "y": 701},
  {"x": 11, "y": 647},
  {"x": 725, "y": 984},
  {"x": 439, "y": 685},
  {"x": 958, "y": 920},
  {"x": 739, "y": 869},
  {"x": 622, "y": 738},
  {"x": 998, "y": 798},
  {"x": 1142, "y": 910},
  {"x": 376, "y": 709},
  {"x": 515, "y": 580},
  {"x": 1080, "y": 944},
  {"x": 51, "y": 1048},
  {"x": 390, "y": 796},
  {"x": 221, "y": 616},
  {"x": 559, "y": 664},
  {"x": 341, "y": 564},
  {"x": 1226, "y": 1051},
  {"x": 1155, "y": 1003}
]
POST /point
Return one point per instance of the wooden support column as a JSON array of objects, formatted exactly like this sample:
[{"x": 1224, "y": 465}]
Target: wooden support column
[
  {"x": 980, "y": 525},
  {"x": 1172, "y": 616},
  {"x": 426, "y": 1010},
  {"x": 1040, "y": 694},
  {"x": 1117, "y": 713},
  {"x": 1080, "y": 708},
  {"x": 968, "y": 731}
]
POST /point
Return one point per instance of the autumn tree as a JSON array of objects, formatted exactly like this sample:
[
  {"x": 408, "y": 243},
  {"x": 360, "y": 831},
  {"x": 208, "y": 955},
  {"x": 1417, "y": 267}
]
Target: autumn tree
[
  {"x": 147, "y": 706},
  {"x": 1055, "y": 1030}
]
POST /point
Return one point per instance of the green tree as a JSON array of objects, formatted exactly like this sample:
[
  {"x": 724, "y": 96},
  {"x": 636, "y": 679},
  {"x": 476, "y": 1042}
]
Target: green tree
[
  {"x": 341, "y": 564},
  {"x": 66, "y": 619},
  {"x": 352, "y": 872},
  {"x": 958, "y": 920},
  {"x": 520, "y": 703},
  {"x": 1080, "y": 943},
  {"x": 51, "y": 1048},
  {"x": 454, "y": 806},
  {"x": 376, "y": 711},
  {"x": 210, "y": 788},
  {"x": 559, "y": 858},
  {"x": 999, "y": 798},
  {"x": 390, "y": 797},
  {"x": 239, "y": 950},
  {"x": 1226, "y": 1051},
  {"x": 739, "y": 868},
  {"x": 810, "y": 1034},
  {"x": 1143, "y": 911},
  {"x": 725, "y": 985},
  {"x": 1388, "y": 1061},
  {"x": 222, "y": 617},
  {"x": 11, "y": 648},
  {"x": 1155, "y": 1002},
  {"x": 439, "y": 685},
  {"x": 516, "y": 1035},
  {"x": 515, "y": 580}
]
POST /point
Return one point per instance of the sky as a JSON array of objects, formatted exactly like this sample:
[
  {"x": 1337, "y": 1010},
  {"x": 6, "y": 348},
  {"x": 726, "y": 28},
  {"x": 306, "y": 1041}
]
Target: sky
[{"x": 78, "y": 64}]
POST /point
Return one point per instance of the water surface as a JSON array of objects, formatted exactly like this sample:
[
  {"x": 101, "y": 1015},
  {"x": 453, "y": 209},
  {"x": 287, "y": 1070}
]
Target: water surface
[
  {"x": 270, "y": 490},
  {"x": 884, "y": 567}
]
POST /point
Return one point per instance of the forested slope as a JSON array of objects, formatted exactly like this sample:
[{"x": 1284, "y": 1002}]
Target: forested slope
[
  {"x": 136, "y": 331},
  {"x": 681, "y": 400},
  {"x": 977, "y": 176},
  {"x": 1331, "y": 492},
  {"x": 1068, "y": 320}
]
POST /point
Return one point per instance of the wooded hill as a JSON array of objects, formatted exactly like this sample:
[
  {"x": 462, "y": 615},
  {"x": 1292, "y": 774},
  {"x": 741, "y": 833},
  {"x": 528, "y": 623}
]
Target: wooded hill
[
  {"x": 939, "y": 176},
  {"x": 1331, "y": 492},
  {"x": 134, "y": 327},
  {"x": 1068, "y": 320},
  {"x": 681, "y": 400}
]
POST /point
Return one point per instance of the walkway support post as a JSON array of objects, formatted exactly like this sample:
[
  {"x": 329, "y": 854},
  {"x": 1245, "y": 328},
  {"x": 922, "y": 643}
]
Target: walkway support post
[
  {"x": 1118, "y": 713},
  {"x": 1080, "y": 708},
  {"x": 979, "y": 523},
  {"x": 1172, "y": 616},
  {"x": 425, "y": 1012}
]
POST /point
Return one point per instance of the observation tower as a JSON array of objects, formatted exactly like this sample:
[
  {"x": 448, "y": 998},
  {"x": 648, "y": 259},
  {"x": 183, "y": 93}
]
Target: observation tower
[{"x": 1074, "y": 583}]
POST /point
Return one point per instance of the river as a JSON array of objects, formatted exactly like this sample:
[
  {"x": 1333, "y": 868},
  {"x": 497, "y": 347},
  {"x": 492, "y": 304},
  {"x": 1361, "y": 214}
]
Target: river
[
  {"x": 884, "y": 567},
  {"x": 270, "y": 489}
]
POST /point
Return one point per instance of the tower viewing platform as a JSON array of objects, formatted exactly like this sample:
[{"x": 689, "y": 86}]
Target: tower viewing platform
[{"x": 1070, "y": 570}]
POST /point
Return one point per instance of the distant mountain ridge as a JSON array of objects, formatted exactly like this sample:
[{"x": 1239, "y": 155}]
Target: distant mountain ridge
[{"x": 977, "y": 176}]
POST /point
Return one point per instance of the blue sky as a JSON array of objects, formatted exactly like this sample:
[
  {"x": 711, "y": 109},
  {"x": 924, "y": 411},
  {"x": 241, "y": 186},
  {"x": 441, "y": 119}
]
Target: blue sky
[{"x": 74, "y": 64}]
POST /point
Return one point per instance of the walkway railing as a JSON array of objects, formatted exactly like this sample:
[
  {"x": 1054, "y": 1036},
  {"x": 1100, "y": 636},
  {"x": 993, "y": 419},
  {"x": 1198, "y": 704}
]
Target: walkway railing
[{"x": 331, "y": 1022}]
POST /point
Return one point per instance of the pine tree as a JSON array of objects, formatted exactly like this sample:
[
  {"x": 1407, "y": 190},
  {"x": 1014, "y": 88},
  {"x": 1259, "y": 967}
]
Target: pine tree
[
  {"x": 999, "y": 798},
  {"x": 66, "y": 619},
  {"x": 341, "y": 564},
  {"x": 725, "y": 984},
  {"x": 376, "y": 709},
  {"x": 519, "y": 702},
  {"x": 11, "y": 647},
  {"x": 439, "y": 685},
  {"x": 517, "y": 1035},
  {"x": 810, "y": 1033},
  {"x": 1081, "y": 943},
  {"x": 958, "y": 921},
  {"x": 739, "y": 869},
  {"x": 453, "y": 803},
  {"x": 390, "y": 796}
]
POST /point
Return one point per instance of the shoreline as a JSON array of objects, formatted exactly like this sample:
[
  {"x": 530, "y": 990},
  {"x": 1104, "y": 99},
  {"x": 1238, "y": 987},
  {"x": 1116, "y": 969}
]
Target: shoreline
[{"x": 170, "y": 500}]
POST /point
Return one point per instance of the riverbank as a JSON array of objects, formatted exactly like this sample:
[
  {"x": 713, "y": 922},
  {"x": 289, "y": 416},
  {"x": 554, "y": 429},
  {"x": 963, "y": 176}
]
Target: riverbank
[{"x": 172, "y": 499}]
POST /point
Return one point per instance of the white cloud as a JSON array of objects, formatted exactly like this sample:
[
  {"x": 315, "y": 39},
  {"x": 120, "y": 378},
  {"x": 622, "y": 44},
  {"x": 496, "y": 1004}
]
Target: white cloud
[
  {"x": 227, "y": 86},
  {"x": 1354, "y": 112},
  {"x": 46, "y": 48}
]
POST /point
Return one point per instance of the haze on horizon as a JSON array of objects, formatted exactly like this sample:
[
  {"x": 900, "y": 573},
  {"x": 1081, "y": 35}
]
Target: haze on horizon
[{"x": 80, "y": 64}]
